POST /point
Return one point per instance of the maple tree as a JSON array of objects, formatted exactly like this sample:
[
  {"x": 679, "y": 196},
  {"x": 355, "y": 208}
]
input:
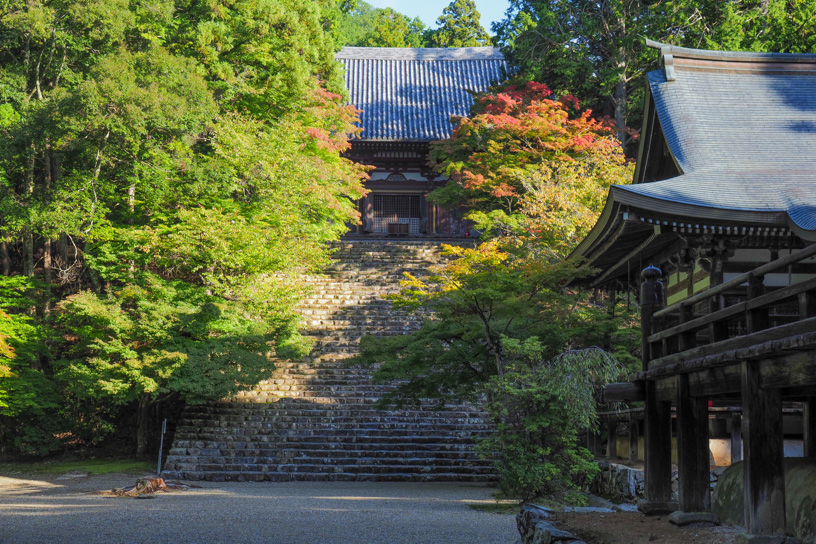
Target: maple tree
[{"x": 527, "y": 162}]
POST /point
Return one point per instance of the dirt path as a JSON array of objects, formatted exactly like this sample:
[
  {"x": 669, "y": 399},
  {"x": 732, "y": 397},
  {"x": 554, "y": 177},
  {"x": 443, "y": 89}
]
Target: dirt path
[{"x": 635, "y": 528}]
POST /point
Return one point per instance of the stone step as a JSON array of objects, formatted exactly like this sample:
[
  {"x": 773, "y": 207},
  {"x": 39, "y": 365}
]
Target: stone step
[
  {"x": 223, "y": 476},
  {"x": 248, "y": 413},
  {"x": 317, "y": 419}
]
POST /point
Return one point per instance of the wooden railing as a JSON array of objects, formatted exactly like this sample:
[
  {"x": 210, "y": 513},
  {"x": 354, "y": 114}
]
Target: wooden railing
[{"x": 698, "y": 332}]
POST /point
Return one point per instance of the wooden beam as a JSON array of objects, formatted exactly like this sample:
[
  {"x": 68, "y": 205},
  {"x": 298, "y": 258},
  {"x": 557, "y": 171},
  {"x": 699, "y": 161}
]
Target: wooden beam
[
  {"x": 801, "y": 289},
  {"x": 775, "y": 333},
  {"x": 666, "y": 389},
  {"x": 793, "y": 369},
  {"x": 793, "y": 373},
  {"x": 623, "y": 392},
  {"x": 742, "y": 278},
  {"x": 764, "y": 476},
  {"x": 658, "y": 448},
  {"x": 716, "y": 381},
  {"x": 692, "y": 449}
]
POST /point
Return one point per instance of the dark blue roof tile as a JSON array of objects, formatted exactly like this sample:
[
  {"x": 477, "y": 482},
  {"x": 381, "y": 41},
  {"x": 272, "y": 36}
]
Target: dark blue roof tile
[{"x": 411, "y": 94}]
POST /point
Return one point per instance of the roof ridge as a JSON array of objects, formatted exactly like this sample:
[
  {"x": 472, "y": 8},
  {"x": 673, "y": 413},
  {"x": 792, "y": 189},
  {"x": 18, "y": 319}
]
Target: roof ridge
[
  {"x": 728, "y": 56},
  {"x": 420, "y": 53}
]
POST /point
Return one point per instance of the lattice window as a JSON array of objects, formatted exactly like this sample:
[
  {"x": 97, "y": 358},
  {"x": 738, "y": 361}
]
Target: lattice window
[{"x": 397, "y": 214}]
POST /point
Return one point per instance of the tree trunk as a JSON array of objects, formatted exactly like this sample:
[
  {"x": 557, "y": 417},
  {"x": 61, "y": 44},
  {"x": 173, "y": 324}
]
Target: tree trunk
[
  {"x": 49, "y": 178},
  {"x": 28, "y": 236},
  {"x": 620, "y": 105},
  {"x": 47, "y": 275},
  {"x": 5, "y": 260},
  {"x": 143, "y": 422},
  {"x": 28, "y": 254},
  {"x": 62, "y": 248}
]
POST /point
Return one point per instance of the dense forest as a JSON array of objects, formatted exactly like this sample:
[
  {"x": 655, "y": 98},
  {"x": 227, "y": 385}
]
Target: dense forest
[
  {"x": 165, "y": 163},
  {"x": 169, "y": 166}
]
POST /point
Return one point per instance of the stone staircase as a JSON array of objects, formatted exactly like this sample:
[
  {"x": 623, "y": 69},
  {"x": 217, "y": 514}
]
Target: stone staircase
[{"x": 315, "y": 419}]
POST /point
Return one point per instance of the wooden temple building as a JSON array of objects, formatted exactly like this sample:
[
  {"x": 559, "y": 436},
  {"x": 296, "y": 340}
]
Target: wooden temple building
[
  {"x": 718, "y": 230},
  {"x": 407, "y": 97}
]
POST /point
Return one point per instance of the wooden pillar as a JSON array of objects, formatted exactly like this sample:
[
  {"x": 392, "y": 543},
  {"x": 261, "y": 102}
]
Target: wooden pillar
[
  {"x": 658, "y": 447},
  {"x": 692, "y": 449},
  {"x": 634, "y": 438},
  {"x": 687, "y": 340},
  {"x": 809, "y": 427},
  {"x": 736, "y": 438},
  {"x": 764, "y": 476},
  {"x": 807, "y": 305},
  {"x": 596, "y": 444},
  {"x": 657, "y": 414},
  {"x": 652, "y": 299},
  {"x": 612, "y": 439},
  {"x": 756, "y": 320}
]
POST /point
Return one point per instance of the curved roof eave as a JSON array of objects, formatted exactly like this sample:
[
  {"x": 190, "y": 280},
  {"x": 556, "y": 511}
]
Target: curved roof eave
[
  {"x": 623, "y": 195},
  {"x": 606, "y": 223}
]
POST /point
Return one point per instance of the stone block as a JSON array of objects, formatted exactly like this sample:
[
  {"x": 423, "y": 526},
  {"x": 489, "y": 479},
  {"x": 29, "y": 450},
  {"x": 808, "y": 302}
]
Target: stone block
[
  {"x": 681, "y": 519},
  {"x": 655, "y": 508}
]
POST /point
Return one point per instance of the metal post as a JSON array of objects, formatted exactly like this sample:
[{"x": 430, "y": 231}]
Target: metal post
[{"x": 161, "y": 447}]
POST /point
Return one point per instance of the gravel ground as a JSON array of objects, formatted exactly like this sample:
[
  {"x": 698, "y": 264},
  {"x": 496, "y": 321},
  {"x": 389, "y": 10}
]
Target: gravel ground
[{"x": 65, "y": 509}]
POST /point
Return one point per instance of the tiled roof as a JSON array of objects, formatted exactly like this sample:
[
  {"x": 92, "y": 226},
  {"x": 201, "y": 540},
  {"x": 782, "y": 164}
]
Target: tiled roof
[
  {"x": 411, "y": 94},
  {"x": 742, "y": 129}
]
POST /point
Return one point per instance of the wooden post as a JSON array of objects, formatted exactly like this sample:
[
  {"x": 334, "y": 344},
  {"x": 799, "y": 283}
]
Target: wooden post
[
  {"x": 687, "y": 340},
  {"x": 634, "y": 438},
  {"x": 764, "y": 476},
  {"x": 657, "y": 460},
  {"x": 657, "y": 414},
  {"x": 612, "y": 440},
  {"x": 736, "y": 438},
  {"x": 652, "y": 299},
  {"x": 594, "y": 443},
  {"x": 719, "y": 329},
  {"x": 809, "y": 427},
  {"x": 807, "y": 305},
  {"x": 757, "y": 319},
  {"x": 692, "y": 449}
]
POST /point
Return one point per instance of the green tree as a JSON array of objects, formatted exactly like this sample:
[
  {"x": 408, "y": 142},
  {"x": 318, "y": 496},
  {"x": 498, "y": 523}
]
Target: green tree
[
  {"x": 596, "y": 50},
  {"x": 501, "y": 324},
  {"x": 186, "y": 159},
  {"x": 30, "y": 403},
  {"x": 593, "y": 50},
  {"x": 459, "y": 26},
  {"x": 755, "y": 25},
  {"x": 390, "y": 28},
  {"x": 351, "y": 22}
]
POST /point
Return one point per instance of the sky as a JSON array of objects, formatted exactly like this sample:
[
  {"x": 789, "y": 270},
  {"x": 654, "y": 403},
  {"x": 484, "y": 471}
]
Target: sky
[{"x": 429, "y": 10}]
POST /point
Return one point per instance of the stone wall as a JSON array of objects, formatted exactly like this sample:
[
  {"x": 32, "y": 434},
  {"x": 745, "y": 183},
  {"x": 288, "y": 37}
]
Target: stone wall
[{"x": 618, "y": 482}]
